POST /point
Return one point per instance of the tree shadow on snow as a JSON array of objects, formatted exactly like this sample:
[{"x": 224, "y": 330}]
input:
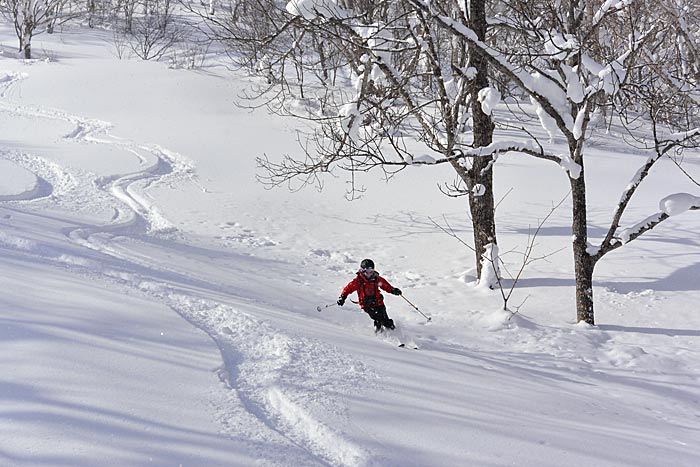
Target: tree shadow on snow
[
  {"x": 534, "y": 282},
  {"x": 680, "y": 280},
  {"x": 652, "y": 331}
]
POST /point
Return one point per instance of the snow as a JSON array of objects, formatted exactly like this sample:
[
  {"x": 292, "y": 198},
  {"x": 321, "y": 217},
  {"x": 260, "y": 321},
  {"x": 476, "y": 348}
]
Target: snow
[
  {"x": 685, "y": 135},
  {"x": 489, "y": 99},
  {"x": 547, "y": 122},
  {"x": 159, "y": 305},
  {"x": 350, "y": 120},
  {"x": 609, "y": 5},
  {"x": 560, "y": 47},
  {"x": 625, "y": 235},
  {"x": 557, "y": 97},
  {"x": 574, "y": 86},
  {"x": 479, "y": 190},
  {"x": 423, "y": 159},
  {"x": 490, "y": 271},
  {"x": 310, "y": 9},
  {"x": 571, "y": 167},
  {"x": 678, "y": 203},
  {"x": 16, "y": 182}
]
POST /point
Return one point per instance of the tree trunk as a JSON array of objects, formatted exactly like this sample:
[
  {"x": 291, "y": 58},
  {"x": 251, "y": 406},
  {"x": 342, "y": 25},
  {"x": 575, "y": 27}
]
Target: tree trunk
[
  {"x": 92, "y": 8},
  {"x": 583, "y": 261},
  {"x": 27, "y": 48},
  {"x": 584, "y": 288},
  {"x": 481, "y": 200},
  {"x": 482, "y": 208},
  {"x": 25, "y": 42}
]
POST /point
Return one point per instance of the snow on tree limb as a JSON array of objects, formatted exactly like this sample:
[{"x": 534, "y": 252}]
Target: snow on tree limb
[
  {"x": 630, "y": 233},
  {"x": 545, "y": 91},
  {"x": 570, "y": 167},
  {"x": 609, "y": 6},
  {"x": 489, "y": 98},
  {"x": 669, "y": 206},
  {"x": 311, "y": 9},
  {"x": 679, "y": 203},
  {"x": 683, "y": 136},
  {"x": 489, "y": 151}
]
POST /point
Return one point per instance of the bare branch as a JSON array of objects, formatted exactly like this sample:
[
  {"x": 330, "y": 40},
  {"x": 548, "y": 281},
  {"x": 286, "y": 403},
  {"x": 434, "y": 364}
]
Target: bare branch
[{"x": 527, "y": 255}]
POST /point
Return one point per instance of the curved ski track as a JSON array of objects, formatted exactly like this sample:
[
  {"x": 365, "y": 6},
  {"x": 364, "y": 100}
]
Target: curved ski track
[{"x": 282, "y": 387}]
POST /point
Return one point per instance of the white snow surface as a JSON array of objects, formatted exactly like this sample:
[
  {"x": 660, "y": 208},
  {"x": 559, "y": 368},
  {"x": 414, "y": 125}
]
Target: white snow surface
[
  {"x": 158, "y": 306},
  {"x": 678, "y": 203},
  {"x": 16, "y": 182}
]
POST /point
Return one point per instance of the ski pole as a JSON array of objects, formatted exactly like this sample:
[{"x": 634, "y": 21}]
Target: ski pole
[
  {"x": 319, "y": 308},
  {"x": 416, "y": 308}
]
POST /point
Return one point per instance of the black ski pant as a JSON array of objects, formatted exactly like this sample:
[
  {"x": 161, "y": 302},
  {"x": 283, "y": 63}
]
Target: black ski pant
[{"x": 378, "y": 314}]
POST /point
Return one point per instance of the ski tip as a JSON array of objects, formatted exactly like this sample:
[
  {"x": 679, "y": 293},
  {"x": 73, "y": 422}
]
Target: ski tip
[{"x": 404, "y": 346}]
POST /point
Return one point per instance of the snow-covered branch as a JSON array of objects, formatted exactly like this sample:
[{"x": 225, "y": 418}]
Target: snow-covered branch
[
  {"x": 669, "y": 206},
  {"x": 312, "y": 9},
  {"x": 544, "y": 92}
]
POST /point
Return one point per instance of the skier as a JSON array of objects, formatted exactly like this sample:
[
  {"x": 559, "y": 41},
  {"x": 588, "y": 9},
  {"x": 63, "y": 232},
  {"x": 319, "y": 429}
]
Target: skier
[{"x": 367, "y": 285}]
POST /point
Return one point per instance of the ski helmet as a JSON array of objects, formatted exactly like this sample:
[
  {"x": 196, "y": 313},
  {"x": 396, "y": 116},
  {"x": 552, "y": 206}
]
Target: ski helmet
[{"x": 367, "y": 264}]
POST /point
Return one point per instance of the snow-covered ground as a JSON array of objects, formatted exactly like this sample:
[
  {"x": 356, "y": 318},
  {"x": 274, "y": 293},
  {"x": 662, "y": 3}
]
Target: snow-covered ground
[{"x": 158, "y": 306}]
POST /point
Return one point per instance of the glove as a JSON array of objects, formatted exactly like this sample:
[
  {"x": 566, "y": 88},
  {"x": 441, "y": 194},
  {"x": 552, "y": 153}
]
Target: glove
[
  {"x": 341, "y": 300},
  {"x": 396, "y": 291}
]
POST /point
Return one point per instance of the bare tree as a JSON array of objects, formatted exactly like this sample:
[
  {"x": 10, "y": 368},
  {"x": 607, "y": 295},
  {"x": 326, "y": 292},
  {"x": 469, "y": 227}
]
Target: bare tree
[
  {"x": 148, "y": 29},
  {"x": 153, "y": 33},
  {"x": 33, "y": 17},
  {"x": 574, "y": 61},
  {"x": 383, "y": 85}
]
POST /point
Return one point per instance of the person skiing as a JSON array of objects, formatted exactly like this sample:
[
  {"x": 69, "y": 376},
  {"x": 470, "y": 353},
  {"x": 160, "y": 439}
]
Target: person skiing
[{"x": 367, "y": 284}]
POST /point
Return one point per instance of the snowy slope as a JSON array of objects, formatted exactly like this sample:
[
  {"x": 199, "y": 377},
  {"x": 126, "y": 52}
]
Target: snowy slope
[{"x": 159, "y": 306}]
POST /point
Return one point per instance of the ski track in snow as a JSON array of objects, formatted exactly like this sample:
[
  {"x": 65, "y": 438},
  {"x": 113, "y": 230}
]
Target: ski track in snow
[{"x": 262, "y": 367}]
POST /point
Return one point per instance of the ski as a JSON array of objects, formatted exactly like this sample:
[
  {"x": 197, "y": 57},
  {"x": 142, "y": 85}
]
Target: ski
[
  {"x": 389, "y": 336},
  {"x": 404, "y": 346}
]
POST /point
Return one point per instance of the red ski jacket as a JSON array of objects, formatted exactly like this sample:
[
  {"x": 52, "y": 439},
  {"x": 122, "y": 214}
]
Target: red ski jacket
[{"x": 368, "y": 289}]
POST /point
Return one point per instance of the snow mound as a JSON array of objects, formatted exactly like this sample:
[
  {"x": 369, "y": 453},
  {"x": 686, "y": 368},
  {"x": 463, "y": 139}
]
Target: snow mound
[
  {"x": 678, "y": 203},
  {"x": 13, "y": 241},
  {"x": 16, "y": 183}
]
